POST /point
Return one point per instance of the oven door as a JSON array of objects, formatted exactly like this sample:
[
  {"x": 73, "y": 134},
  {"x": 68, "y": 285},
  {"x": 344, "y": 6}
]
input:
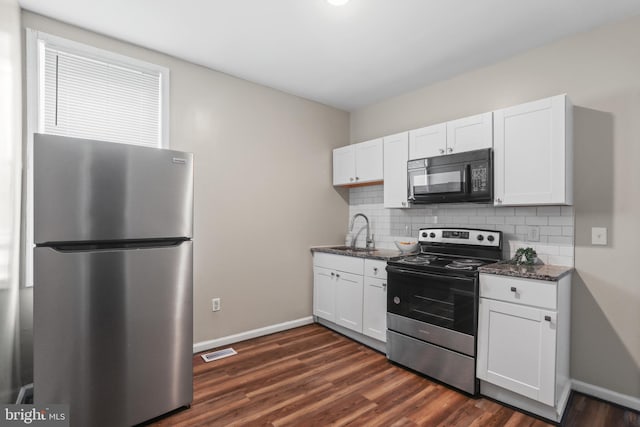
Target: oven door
[{"x": 446, "y": 301}]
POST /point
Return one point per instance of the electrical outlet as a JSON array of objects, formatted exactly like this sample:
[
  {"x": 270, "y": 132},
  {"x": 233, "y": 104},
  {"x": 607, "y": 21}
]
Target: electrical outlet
[
  {"x": 533, "y": 234},
  {"x": 215, "y": 304},
  {"x": 598, "y": 235}
]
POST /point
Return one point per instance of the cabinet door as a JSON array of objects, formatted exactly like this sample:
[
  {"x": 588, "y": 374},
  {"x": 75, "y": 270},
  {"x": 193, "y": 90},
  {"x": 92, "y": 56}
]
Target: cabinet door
[
  {"x": 517, "y": 349},
  {"x": 374, "y": 310},
  {"x": 348, "y": 293},
  {"x": 428, "y": 142},
  {"x": 324, "y": 293},
  {"x": 470, "y": 133},
  {"x": 396, "y": 151},
  {"x": 369, "y": 161},
  {"x": 344, "y": 164},
  {"x": 530, "y": 156}
]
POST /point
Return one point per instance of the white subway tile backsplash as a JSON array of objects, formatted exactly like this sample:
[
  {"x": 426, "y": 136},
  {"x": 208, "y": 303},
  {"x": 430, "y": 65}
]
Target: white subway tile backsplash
[
  {"x": 560, "y": 260},
  {"x": 561, "y": 240},
  {"x": 567, "y": 211},
  {"x": 526, "y": 211},
  {"x": 561, "y": 220},
  {"x": 506, "y": 229},
  {"x": 515, "y": 220},
  {"x": 495, "y": 220},
  {"x": 477, "y": 220},
  {"x": 548, "y": 210},
  {"x": 460, "y": 219},
  {"x": 536, "y": 220},
  {"x": 547, "y": 230},
  {"x": 556, "y": 224},
  {"x": 505, "y": 211}
]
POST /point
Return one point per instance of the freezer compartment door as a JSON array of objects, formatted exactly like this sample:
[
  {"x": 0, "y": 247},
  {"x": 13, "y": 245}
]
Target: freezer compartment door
[
  {"x": 97, "y": 191},
  {"x": 113, "y": 332}
]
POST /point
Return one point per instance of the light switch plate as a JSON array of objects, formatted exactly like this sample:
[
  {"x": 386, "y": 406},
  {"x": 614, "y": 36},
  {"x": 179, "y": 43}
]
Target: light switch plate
[{"x": 598, "y": 235}]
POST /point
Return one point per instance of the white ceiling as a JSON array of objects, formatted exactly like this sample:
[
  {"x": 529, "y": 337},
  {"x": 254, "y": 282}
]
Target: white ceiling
[{"x": 347, "y": 56}]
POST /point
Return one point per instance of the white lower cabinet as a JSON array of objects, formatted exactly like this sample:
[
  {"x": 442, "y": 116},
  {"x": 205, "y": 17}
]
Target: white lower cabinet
[
  {"x": 523, "y": 342},
  {"x": 374, "y": 313},
  {"x": 324, "y": 285},
  {"x": 351, "y": 292},
  {"x": 348, "y": 294},
  {"x": 518, "y": 350}
]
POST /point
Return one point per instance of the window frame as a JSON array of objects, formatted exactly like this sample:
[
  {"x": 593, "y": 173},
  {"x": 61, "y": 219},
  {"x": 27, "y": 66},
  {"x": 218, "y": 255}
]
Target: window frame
[{"x": 35, "y": 40}]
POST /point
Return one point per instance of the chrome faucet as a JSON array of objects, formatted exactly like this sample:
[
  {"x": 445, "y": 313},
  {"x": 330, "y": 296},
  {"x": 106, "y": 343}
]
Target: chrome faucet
[{"x": 369, "y": 239}]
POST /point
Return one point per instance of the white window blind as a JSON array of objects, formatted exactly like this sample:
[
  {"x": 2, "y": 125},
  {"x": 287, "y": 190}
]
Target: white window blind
[
  {"x": 89, "y": 98},
  {"x": 80, "y": 91}
]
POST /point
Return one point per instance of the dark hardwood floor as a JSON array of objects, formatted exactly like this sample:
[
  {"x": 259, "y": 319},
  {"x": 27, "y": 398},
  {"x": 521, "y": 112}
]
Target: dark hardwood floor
[{"x": 312, "y": 376}]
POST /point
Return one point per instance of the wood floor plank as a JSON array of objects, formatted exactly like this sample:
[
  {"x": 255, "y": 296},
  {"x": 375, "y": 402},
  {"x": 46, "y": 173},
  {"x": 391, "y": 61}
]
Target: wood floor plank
[{"x": 312, "y": 376}]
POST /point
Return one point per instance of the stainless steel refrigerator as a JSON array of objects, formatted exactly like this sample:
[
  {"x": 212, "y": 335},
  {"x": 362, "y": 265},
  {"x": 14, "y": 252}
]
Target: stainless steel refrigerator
[{"x": 113, "y": 300}]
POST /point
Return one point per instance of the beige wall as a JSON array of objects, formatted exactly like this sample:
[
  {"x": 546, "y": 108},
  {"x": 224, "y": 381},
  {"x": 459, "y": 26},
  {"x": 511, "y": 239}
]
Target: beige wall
[
  {"x": 600, "y": 71},
  {"x": 263, "y": 191}
]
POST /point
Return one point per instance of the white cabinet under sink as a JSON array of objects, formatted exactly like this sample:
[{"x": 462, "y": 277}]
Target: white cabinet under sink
[
  {"x": 523, "y": 342},
  {"x": 533, "y": 153},
  {"x": 351, "y": 294},
  {"x": 337, "y": 289}
]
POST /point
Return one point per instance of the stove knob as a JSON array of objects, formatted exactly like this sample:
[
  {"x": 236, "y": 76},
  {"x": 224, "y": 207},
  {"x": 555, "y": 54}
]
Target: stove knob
[
  {"x": 480, "y": 237},
  {"x": 425, "y": 234},
  {"x": 490, "y": 238},
  {"x": 432, "y": 235}
]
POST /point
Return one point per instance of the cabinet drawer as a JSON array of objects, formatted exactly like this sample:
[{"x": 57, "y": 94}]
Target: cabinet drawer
[
  {"x": 537, "y": 293},
  {"x": 348, "y": 264},
  {"x": 375, "y": 268}
]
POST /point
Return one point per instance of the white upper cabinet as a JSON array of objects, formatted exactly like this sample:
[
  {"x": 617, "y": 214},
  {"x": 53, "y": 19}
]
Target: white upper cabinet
[
  {"x": 470, "y": 133},
  {"x": 533, "y": 153},
  {"x": 429, "y": 141},
  {"x": 358, "y": 163},
  {"x": 467, "y": 134},
  {"x": 395, "y": 170}
]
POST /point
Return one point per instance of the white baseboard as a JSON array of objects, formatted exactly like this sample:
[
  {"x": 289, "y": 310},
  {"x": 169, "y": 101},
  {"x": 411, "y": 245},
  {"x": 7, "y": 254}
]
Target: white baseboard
[
  {"x": 606, "y": 394},
  {"x": 254, "y": 333}
]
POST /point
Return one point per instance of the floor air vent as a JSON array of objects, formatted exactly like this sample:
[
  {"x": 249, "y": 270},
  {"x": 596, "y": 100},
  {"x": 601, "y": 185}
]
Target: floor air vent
[{"x": 220, "y": 354}]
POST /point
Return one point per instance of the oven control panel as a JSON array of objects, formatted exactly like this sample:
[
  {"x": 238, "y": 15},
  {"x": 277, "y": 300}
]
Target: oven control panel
[{"x": 462, "y": 236}]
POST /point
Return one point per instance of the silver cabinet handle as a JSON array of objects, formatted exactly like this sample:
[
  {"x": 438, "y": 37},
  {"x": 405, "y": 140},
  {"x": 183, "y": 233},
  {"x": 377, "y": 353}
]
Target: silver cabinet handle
[
  {"x": 375, "y": 270},
  {"x": 547, "y": 318},
  {"x": 337, "y": 275},
  {"x": 450, "y": 150},
  {"x": 513, "y": 289},
  {"x": 498, "y": 200},
  {"x": 357, "y": 178},
  {"x": 384, "y": 286},
  {"x": 441, "y": 150},
  {"x": 351, "y": 179},
  {"x": 333, "y": 274},
  {"x": 404, "y": 203}
]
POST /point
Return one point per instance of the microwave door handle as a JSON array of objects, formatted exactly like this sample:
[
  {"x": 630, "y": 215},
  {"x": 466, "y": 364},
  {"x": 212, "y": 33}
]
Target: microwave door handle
[
  {"x": 411, "y": 196},
  {"x": 467, "y": 179}
]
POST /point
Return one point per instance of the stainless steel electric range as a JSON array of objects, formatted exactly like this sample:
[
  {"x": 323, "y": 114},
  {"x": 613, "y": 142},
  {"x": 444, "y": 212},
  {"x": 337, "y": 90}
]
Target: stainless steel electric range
[{"x": 432, "y": 303}]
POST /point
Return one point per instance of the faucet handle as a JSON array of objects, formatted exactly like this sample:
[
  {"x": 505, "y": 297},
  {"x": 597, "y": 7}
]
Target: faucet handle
[{"x": 371, "y": 241}]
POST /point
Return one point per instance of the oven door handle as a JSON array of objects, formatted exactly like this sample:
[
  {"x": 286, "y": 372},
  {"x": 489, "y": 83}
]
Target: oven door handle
[{"x": 391, "y": 269}]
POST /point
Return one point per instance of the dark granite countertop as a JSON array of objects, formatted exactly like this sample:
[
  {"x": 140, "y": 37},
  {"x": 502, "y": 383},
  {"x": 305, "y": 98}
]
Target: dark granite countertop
[
  {"x": 381, "y": 254},
  {"x": 540, "y": 272}
]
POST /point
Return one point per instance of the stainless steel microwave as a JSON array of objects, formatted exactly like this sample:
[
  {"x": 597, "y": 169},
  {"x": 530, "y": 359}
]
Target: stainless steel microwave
[{"x": 452, "y": 178}]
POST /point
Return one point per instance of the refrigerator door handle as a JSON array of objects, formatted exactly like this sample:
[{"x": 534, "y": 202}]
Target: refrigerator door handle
[{"x": 120, "y": 245}]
